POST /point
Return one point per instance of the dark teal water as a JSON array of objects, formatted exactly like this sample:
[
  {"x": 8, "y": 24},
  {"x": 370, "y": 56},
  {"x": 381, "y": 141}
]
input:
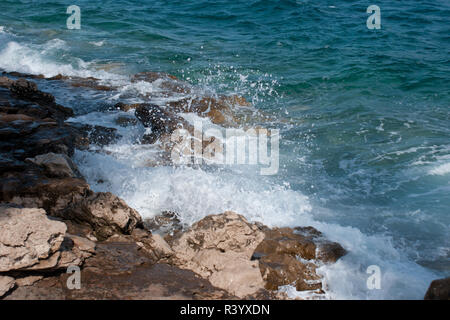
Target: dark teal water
[{"x": 369, "y": 110}]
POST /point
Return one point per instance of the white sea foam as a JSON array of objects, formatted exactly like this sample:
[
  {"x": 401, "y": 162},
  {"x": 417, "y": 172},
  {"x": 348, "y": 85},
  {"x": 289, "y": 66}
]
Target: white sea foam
[
  {"x": 440, "y": 169},
  {"x": 44, "y": 59},
  {"x": 98, "y": 43}
]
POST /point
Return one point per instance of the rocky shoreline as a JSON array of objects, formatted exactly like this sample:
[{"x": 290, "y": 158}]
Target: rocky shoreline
[{"x": 51, "y": 220}]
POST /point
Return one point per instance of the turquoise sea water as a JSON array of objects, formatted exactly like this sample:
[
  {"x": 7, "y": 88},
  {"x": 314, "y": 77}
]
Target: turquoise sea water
[{"x": 364, "y": 114}]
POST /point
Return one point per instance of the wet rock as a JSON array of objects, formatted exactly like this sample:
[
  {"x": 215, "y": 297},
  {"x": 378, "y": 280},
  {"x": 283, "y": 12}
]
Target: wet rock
[
  {"x": 165, "y": 223},
  {"x": 27, "y": 90},
  {"x": 150, "y": 76},
  {"x": 56, "y": 165},
  {"x": 24, "y": 75},
  {"x": 439, "y": 290},
  {"x": 6, "y": 284},
  {"x": 282, "y": 269},
  {"x": 86, "y": 135},
  {"x": 218, "y": 111},
  {"x": 159, "y": 120},
  {"x": 289, "y": 257},
  {"x": 169, "y": 84},
  {"x": 105, "y": 213},
  {"x": 126, "y": 107},
  {"x": 58, "y": 77},
  {"x": 45, "y": 289},
  {"x": 79, "y": 82},
  {"x": 32, "y": 189},
  {"x": 125, "y": 121},
  {"x": 284, "y": 241},
  {"x": 219, "y": 248},
  {"x": 91, "y": 84},
  {"x": 28, "y": 236},
  {"x": 330, "y": 252},
  {"x": 6, "y": 82}
]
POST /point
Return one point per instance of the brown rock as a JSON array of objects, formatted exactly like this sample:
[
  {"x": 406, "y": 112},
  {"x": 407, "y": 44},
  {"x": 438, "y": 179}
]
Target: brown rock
[
  {"x": 5, "y": 82},
  {"x": 330, "y": 252},
  {"x": 439, "y": 290},
  {"x": 126, "y": 107},
  {"x": 125, "y": 121},
  {"x": 158, "y": 119},
  {"x": 27, "y": 237},
  {"x": 284, "y": 241},
  {"x": 28, "y": 90},
  {"x": 286, "y": 257},
  {"x": 105, "y": 213},
  {"x": 36, "y": 191},
  {"x": 55, "y": 165},
  {"x": 218, "y": 111},
  {"x": 150, "y": 76}
]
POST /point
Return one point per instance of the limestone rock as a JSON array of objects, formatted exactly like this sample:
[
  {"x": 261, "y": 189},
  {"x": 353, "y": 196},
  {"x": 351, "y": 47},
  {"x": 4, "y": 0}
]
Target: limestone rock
[
  {"x": 219, "y": 248},
  {"x": 6, "y": 284},
  {"x": 27, "y": 236}
]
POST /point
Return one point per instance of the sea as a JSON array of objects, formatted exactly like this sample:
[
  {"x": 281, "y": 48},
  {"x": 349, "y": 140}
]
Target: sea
[{"x": 363, "y": 114}]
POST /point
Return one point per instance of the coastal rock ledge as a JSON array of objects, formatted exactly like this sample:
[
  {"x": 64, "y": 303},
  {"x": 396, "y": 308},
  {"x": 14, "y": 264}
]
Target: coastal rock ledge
[{"x": 51, "y": 221}]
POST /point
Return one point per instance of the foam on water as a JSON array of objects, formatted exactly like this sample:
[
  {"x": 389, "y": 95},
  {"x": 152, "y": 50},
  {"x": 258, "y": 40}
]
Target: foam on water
[
  {"x": 441, "y": 169},
  {"x": 50, "y": 59}
]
